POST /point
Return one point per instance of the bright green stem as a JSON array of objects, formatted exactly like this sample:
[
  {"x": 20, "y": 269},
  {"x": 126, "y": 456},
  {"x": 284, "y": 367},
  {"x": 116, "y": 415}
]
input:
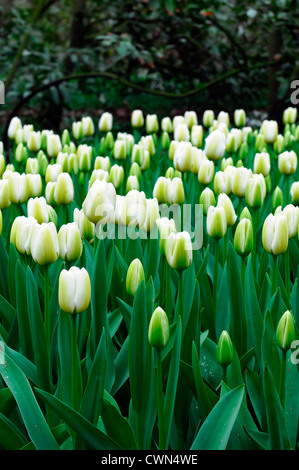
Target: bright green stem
[
  {"x": 215, "y": 279},
  {"x": 46, "y": 307},
  {"x": 224, "y": 374},
  {"x": 287, "y": 272},
  {"x": 254, "y": 228},
  {"x": 168, "y": 290},
  {"x": 282, "y": 378},
  {"x": 243, "y": 268},
  {"x": 75, "y": 378},
  {"x": 274, "y": 276},
  {"x": 160, "y": 402},
  {"x": 287, "y": 190},
  {"x": 179, "y": 312}
]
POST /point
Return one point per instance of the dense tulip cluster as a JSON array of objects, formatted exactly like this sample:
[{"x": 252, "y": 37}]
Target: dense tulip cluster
[{"x": 159, "y": 264}]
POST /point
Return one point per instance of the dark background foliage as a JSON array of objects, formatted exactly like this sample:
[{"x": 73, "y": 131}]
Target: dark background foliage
[{"x": 151, "y": 54}]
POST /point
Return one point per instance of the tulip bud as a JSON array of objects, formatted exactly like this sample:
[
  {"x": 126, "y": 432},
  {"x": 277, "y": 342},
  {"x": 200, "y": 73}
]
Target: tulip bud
[
  {"x": 255, "y": 191},
  {"x": 208, "y": 118},
  {"x": 151, "y": 123},
  {"x": 53, "y": 145},
  {"x": 137, "y": 119},
  {"x": 165, "y": 227},
  {"x": 119, "y": 150},
  {"x": 64, "y": 189},
  {"x": 160, "y": 191},
  {"x": 102, "y": 163},
  {"x": 27, "y": 129},
  {"x": 207, "y": 199},
  {"x": 277, "y": 198},
  {"x": 2, "y": 164},
  {"x": 197, "y": 136},
  {"x": 225, "y": 350},
  {"x": 178, "y": 250},
  {"x": 151, "y": 215},
  {"x": 44, "y": 244},
  {"x": 225, "y": 162},
  {"x": 165, "y": 141},
  {"x": 77, "y": 130},
  {"x": 295, "y": 193},
  {"x": 74, "y": 290},
  {"x": 275, "y": 234},
  {"x": 292, "y": 214},
  {"x": 198, "y": 156},
  {"x": 140, "y": 155},
  {"x": 289, "y": 115},
  {"x": 135, "y": 170},
  {"x": 240, "y": 117},
  {"x": 86, "y": 228},
  {"x": 285, "y": 331},
  {"x": 182, "y": 158},
  {"x": 225, "y": 202},
  {"x": 216, "y": 222},
  {"x": 18, "y": 188},
  {"x": 181, "y": 132},
  {"x": 70, "y": 243},
  {"x": 172, "y": 147},
  {"x": 21, "y": 153},
  {"x": 49, "y": 192},
  {"x": 215, "y": 145},
  {"x": 135, "y": 208},
  {"x": 106, "y": 122},
  {"x": 262, "y": 164},
  {"x": 88, "y": 126},
  {"x": 65, "y": 138},
  {"x": 242, "y": 177},
  {"x": 38, "y": 208},
  {"x": 99, "y": 203},
  {"x": 269, "y": 129},
  {"x": 132, "y": 183},
  {"x": 158, "y": 331},
  {"x": 175, "y": 191},
  {"x": 221, "y": 183},
  {"x": 243, "y": 151},
  {"x": 166, "y": 125},
  {"x": 84, "y": 153},
  {"x": 135, "y": 275},
  {"x": 21, "y": 233},
  {"x": 287, "y": 162},
  {"x": 109, "y": 141},
  {"x": 260, "y": 143},
  {"x": 190, "y": 119},
  {"x": 206, "y": 172},
  {"x": 73, "y": 163},
  {"x": 279, "y": 144},
  {"x": 117, "y": 175},
  {"x": 243, "y": 239},
  {"x": 42, "y": 162},
  {"x": 4, "y": 194},
  {"x": 245, "y": 214},
  {"x": 34, "y": 141},
  {"x": 32, "y": 166},
  {"x": 14, "y": 125},
  {"x": 52, "y": 214},
  {"x": 98, "y": 175},
  {"x": 223, "y": 117}
]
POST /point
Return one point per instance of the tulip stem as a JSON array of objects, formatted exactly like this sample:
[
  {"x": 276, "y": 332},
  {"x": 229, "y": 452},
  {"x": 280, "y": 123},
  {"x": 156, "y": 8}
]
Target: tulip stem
[
  {"x": 215, "y": 280},
  {"x": 287, "y": 272},
  {"x": 160, "y": 401},
  {"x": 168, "y": 291},
  {"x": 46, "y": 306},
  {"x": 179, "y": 311},
  {"x": 74, "y": 392},
  {"x": 282, "y": 378},
  {"x": 274, "y": 277},
  {"x": 287, "y": 189}
]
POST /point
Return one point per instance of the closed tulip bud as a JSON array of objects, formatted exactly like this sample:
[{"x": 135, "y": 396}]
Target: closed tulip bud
[
  {"x": 73, "y": 163},
  {"x": 216, "y": 222},
  {"x": 44, "y": 244},
  {"x": 49, "y": 192},
  {"x": 289, "y": 115},
  {"x": 35, "y": 185},
  {"x": 137, "y": 118},
  {"x": 260, "y": 143},
  {"x": 86, "y": 228},
  {"x": 106, "y": 122},
  {"x": 242, "y": 176},
  {"x": 165, "y": 227},
  {"x": 117, "y": 175},
  {"x": 32, "y": 166},
  {"x": 21, "y": 233},
  {"x": 175, "y": 191},
  {"x": 151, "y": 215},
  {"x": 225, "y": 162},
  {"x": 178, "y": 119},
  {"x": 275, "y": 234},
  {"x": 158, "y": 331},
  {"x": 231, "y": 143},
  {"x": 208, "y": 118},
  {"x": 53, "y": 145},
  {"x": 99, "y": 203},
  {"x": 197, "y": 136},
  {"x": 178, "y": 250},
  {"x": 44, "y": 138},
  {"x": 269, "y": 129},
  {"x": 206, "y": 172},
  {"x": 221, "y": 183},
  {"x": 172, "y": 147},
  {"x": 135, "y": 275},
  {"x": 166, "y": 124},
  {"x": 102, "y": 163},
  {"x": 88, "y": 126},
  {"x": 165, "y": 141},
  {"x": 21, "y": 153},
  {"x": 279, "y": 144},
  {"x": 119, "y": 150},
  {"x": 215, "y": 145},
  {"x": 70, "y": 243},
  {"x": 65, "y": 138},
  {"x": 182, "y": 158},
  {"x": 62, "y": 159},
  {"x": 27, "y": 129},
  {"x": 240, "y": 117},
  {"x": 245, "y": 214},
  {"x": 207, "y": 199},
  {"x": 64, "y": 189},
  {"x": 262, "y": 163},
  {"x": 243, "y": 239},
  {"x": 98, "y": 175},
  {"x": 225, "y": 350},
  {"x": 14, "y": 125},
  {"x": 223, "y": 117},
  {"x": 135, "y": 170},
  {"x": 151, "y": 123},
  {"x": 140, "y": 155},
  {"x": 4, "y": 194},
  {"x": 277, "y": 198},
  {"x": 285, "y": 331},
  {"x": 170, "y": 173},
  {"x": 292, "y": 214},
  {"x": 109, "y": 141},
  {"x": 198, "y": 156},
  {"x": 38, "y": 208},
  {"x": 295, "y": 193},
  {"x": 18, "y": 188},
  {"x": 135, "y": 208},
  {"x": 77, "y": 130},
  {"x": 160, "y": 191},
  {"x": 243, "y": 151},
  {"x": 287, "y": 162},
  {"x": 42, "y": 162},
  {"x": 84, "y": 153},
  {"x": 190, "y": 119},
  {"x": 181, "y": 132},
  {"x": 34, "y": 141},
  {"x": 52, "y": 214},
  {"x": 2, "y": 165},
  {"x": 74, "y": 290},
  {"x": 288, "y": 139},
  {"x": 19, "y": 137},
  {"x": 255, "y": 191},
  {"x": 225, "y": 202},
  {"x": 132, "y": 183}
]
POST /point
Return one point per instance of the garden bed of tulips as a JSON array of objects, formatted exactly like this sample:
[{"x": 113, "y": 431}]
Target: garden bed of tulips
[{"x": 149, "y": 293}]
